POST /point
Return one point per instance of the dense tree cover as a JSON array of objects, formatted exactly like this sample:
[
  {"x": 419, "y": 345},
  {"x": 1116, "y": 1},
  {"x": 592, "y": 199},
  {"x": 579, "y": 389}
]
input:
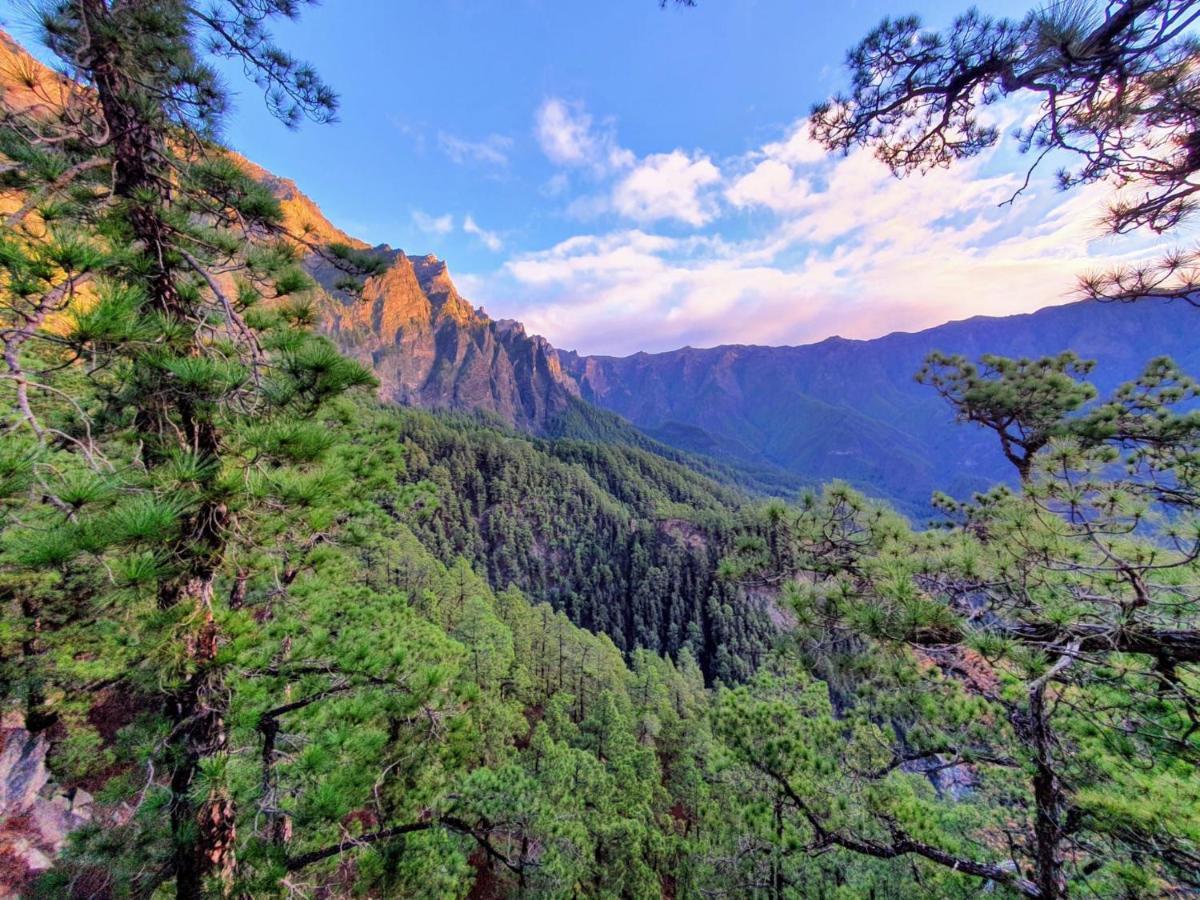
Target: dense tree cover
[
  {"x": 1042, "y": 651},
  {"x": 623, "y": 541},
  {"x": 391, "y": 727},
  {"x": 1011, "y": 699},
  {"x": 585, "y": 422},
  {"x": 154, "y": 404},
  {"x": 286, "y": 637}
]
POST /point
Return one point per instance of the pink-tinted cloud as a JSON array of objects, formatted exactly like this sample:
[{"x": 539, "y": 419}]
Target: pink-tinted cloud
[{"x": 837, "y": 245}]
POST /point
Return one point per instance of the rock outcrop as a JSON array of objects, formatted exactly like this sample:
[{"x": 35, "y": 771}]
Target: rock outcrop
[
  {"x": 35, "y": 816},
  {"x": 430, "y": 348},
  {"x": 427, "y": 344}
]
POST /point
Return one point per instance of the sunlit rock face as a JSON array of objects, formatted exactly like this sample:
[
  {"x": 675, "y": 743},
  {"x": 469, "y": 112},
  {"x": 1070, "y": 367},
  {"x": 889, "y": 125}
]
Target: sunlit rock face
[{"x": 430, "y": 348}]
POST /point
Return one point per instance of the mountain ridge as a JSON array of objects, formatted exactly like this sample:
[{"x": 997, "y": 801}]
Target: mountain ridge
[
  {"x": 850, "y": 409},
  {"x": 833, "y": 338},
  {"x": 430, "y": 348},
  {"x": 774, "y": 417}
]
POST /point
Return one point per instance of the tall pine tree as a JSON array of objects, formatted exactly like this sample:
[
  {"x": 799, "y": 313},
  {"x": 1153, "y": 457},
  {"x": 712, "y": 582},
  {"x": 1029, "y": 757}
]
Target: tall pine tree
[{"x": 172, "y": 395}]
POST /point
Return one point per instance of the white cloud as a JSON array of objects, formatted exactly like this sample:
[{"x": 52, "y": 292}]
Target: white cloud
[
  {"x": 662, "y": 186},
  {"x": 772, "y": 184},
  {"x": 847, "y": 249},
  {"x": 797, "y": 148},
  {"x": 668, "y": 186},
  {"x": 492, "y": 150},
  {"x": 569, "y": 137},
  {"x": 632, "y": 290},
  {"x": 433, "y": 224},
  {"x": 490, "y": 239},
  {"x": 564, "y": 135},
  {"x": 839, "y": 245}
]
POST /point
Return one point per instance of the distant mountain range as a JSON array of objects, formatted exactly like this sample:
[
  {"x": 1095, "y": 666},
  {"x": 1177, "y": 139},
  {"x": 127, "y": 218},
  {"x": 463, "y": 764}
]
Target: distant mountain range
[
  {"x": 773, "y": 419},
  {"x": 852, "y": 410}
]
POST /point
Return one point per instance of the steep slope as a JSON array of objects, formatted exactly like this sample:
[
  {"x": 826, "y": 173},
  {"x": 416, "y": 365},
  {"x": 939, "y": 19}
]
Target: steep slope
[
  {"x": 428, "y": 346},
  {"x": 852, "y": 410},
  {"x": 431, "y": 349},
  {"x": 624, "y": 542},
  {"x": 769, "y": 419},
  {"x": 618, "y": 532}
]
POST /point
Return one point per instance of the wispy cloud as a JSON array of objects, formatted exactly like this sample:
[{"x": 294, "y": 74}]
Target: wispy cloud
[
  {"x": 490, "y": 239},
  {"x": 413, "y": 132},
  {"x": 570, "y": 137},
  {"x": 446, "y": 224},
  {"x": 493, "y": 150},
  {"x": 433, "y": 224}
]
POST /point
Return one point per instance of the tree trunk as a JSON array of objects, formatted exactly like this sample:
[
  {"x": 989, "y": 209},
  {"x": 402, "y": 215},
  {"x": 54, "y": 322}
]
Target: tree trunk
[
  {"x": 38, "y": 717},
  {"x": 1048, "y": 797},
  {"x": 204, "y": 837}
]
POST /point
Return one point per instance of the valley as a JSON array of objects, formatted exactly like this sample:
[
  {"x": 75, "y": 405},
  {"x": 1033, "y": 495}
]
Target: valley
[{"x": 318, "y": 581}]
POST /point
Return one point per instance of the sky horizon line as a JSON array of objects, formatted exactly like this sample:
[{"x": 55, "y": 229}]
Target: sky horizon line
[{"x": 672, "y": 199}]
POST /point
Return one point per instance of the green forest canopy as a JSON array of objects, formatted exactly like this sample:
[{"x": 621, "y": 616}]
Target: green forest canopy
[{"x": 294, "y": 644}]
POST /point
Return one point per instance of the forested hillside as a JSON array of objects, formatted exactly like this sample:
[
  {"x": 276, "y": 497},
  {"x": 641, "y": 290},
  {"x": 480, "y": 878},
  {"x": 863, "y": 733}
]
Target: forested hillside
[
  {"x": 266, "y": 635},
  {"x": 623, "y": 541},
  {"x": 852, "y": 409}
]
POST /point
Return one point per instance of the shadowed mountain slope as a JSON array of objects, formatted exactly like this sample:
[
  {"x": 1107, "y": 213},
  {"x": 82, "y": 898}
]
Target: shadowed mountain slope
[{"x": 852, "y": 409}]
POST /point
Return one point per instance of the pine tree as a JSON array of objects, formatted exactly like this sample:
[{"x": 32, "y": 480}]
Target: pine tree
[
  {"x": 173, "y": 397},
  {"x": 1037, "y": 646},
  {"x": 1116, "y": 92}
]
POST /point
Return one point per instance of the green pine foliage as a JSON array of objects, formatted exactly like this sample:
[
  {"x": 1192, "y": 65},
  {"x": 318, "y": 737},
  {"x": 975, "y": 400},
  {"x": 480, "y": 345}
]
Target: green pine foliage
[
  {"x": 301, "y": 645},
  {"x": 623, "y": 541},
  {"x": 1014, "y": 693},
  {"x": 370, "y": 685}
]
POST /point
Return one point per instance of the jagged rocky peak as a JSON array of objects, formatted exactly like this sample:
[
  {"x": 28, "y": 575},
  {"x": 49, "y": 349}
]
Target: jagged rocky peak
[
  {"x": 400, "y": 314},
  {"x": 396, "y": 299},
  {"x": 404, "y": 318},
  {"x": 434, "y": 277},
  {"x": 430, "y": 269},
  {"x": 430, "y": 347},
  {"x": 411, "y": 292}
]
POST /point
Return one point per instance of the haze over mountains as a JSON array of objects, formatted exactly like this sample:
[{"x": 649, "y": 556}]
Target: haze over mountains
[
  {"x": 838, "y": 409},
  {"x": 852, "y": 410},
  {"x": 776, "y": 418}
]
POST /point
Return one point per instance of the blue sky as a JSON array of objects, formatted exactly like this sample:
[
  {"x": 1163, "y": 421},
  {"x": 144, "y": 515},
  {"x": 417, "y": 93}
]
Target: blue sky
[{"x": 626, "y": 178}]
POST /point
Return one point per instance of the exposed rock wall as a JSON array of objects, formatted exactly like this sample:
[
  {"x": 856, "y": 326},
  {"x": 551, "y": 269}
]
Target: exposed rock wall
[
  {"x": 430, "y": 348},
  {"x": 36, "y": 817}
]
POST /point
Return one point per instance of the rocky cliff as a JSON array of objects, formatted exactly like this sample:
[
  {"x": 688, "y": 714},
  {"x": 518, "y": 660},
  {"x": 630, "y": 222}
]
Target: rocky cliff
[
  {"x": 430, "y": 348},
  {"x": 407, "y": 320},
  {"x": 36, "y": 815}
]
